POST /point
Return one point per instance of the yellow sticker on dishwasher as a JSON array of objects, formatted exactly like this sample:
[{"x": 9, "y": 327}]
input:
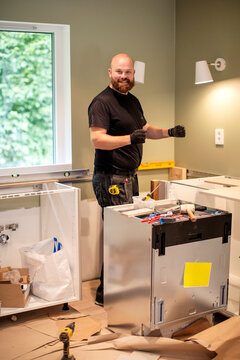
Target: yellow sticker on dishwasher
[
  {"x": 113, "y": 190},
  {"x": 197, "y": 274}
]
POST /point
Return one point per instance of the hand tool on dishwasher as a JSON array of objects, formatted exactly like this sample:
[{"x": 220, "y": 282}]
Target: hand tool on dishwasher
[
  {"x": 186, "y": 209},
  {"x": 148, "y": 196},
  {"x": 189, "y": 209}
]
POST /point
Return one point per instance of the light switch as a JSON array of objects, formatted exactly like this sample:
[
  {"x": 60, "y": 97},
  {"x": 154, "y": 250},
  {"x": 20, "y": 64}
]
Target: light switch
[{"x": 219, "y": 136}]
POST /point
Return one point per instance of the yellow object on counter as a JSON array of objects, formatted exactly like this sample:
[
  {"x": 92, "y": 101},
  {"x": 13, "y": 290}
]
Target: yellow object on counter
[{"x": 156, "y": 165}]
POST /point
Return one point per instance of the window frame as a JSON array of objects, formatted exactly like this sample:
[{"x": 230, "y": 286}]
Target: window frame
[{"x": 61, "y": 95}]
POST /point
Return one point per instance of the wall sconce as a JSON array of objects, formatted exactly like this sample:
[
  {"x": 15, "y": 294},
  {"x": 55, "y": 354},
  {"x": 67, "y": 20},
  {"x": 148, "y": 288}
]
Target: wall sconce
[
  {"x": 139, "y": 68},
  {"x": 203, "y": 74}
]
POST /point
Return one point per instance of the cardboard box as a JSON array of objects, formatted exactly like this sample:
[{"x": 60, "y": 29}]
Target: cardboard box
[
  {"x": 3, "y": 270},
  {"x": 12, "y": 295}
]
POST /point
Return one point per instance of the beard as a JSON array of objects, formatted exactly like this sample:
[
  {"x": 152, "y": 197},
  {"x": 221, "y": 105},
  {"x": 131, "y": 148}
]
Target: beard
[{"x": 122, "y": 87}]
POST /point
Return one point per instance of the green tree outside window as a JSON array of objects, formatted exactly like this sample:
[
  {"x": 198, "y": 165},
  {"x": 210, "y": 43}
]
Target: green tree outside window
[{"x": 26, "y": 99}]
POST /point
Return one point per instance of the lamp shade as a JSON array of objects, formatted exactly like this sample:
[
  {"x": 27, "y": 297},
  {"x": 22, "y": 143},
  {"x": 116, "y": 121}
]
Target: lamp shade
[
  {"x": 139, "y": 67},
  {"x": 202, "y": 73}
]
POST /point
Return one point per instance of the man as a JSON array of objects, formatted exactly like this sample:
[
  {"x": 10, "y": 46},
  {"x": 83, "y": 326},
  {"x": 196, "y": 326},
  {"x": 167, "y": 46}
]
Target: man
[{"x": 118, "y": 130}]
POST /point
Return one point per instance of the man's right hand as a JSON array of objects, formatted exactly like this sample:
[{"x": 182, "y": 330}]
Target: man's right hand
[{"x": 138, "y": 136}]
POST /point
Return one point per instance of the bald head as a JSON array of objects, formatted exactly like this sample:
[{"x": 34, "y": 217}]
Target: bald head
[
  {"x": 122, "y": 59},
  {"x": 121, "y": 73}
]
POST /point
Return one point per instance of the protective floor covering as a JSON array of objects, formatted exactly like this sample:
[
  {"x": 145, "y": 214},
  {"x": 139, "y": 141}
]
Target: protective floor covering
[{"x": 35, "y": 335}]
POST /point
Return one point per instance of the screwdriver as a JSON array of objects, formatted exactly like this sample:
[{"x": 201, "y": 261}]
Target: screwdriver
[{"x": 148, "y": 196}]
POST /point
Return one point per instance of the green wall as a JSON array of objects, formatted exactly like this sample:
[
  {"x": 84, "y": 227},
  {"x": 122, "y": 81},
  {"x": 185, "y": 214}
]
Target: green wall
[
  {"x": 206, "y": 30},
  {"x": 145, "y": 29}
]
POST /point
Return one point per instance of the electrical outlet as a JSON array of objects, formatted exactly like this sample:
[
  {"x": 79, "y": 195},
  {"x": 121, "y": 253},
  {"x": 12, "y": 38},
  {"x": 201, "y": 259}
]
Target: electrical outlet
[{"x": 219, "y": 136}]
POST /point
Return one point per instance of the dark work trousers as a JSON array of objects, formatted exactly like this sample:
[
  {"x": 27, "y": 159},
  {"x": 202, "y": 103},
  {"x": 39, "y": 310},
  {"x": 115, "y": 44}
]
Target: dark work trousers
[{"x": 126, "y": 187}]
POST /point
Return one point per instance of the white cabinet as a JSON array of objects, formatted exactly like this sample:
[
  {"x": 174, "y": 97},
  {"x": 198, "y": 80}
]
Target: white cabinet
[
  {"x": 29, "y": 214},
  {"x": 223, "y": 193}
]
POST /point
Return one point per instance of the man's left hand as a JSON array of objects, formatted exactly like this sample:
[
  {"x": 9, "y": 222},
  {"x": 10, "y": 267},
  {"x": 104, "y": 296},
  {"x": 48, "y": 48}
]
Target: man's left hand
[{"x": 177, "y": 131}]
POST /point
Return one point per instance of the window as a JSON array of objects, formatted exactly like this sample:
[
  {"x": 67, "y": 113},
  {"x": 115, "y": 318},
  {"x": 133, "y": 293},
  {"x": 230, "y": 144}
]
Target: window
[{"x": 35, "y": 111}]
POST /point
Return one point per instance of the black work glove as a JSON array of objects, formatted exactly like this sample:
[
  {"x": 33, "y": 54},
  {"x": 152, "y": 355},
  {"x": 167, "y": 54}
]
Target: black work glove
[
  {"x": 177, "y": 131},
  {"x": 138, "y": 136}
]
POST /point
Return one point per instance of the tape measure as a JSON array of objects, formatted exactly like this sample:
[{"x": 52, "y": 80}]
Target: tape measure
[{"x": 113, "y": 190}]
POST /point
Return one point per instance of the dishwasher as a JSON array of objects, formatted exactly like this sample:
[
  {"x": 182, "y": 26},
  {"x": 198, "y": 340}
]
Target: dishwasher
[{"x": 162, "y": 268}]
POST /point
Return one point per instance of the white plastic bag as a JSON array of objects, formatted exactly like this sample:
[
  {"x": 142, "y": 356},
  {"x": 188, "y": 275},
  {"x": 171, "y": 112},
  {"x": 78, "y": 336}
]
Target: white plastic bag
[{"x": 48, "y": 269}]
